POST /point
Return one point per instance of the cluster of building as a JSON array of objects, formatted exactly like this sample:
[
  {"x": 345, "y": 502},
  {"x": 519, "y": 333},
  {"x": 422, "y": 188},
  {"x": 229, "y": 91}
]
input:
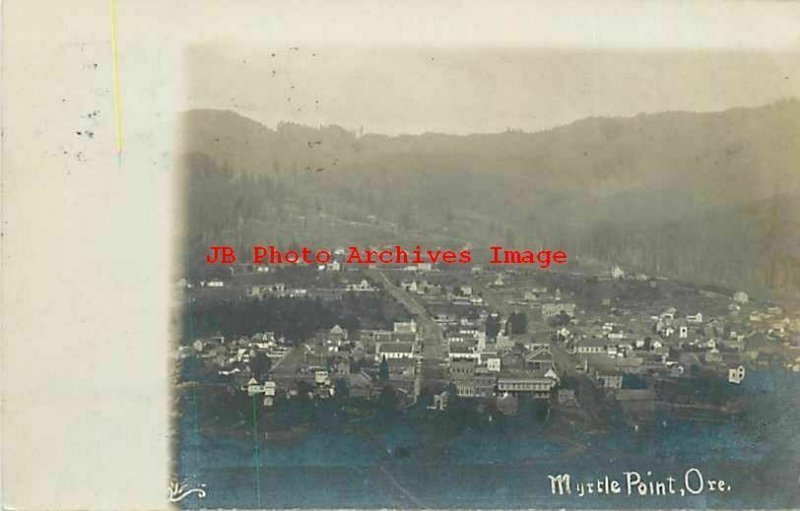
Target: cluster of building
[
  {"x": 496, "y": 335},
  {"x": 231, "y": 356},
  {"x": 680, "y": 345}
]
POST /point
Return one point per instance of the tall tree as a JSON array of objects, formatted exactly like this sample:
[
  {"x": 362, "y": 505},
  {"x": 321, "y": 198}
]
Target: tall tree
[
  {"x": 384, "y": 369},
  {"x": 492, "y": 325},
  {"x": 518, "y": 323},
  {"x": 260, "y": 365}
]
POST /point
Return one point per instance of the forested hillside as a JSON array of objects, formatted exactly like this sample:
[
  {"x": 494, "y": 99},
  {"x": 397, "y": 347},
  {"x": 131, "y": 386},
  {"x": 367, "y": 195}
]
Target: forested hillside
[{"x": 712, "y": 197}]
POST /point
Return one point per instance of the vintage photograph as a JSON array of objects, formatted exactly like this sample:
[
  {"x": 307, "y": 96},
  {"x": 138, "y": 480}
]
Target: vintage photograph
[{"x": 486, "y": 277}]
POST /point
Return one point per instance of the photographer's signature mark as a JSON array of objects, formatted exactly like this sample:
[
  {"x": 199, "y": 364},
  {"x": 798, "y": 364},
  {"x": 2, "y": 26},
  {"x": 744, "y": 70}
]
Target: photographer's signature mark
[{"x": 179, "y": 491}]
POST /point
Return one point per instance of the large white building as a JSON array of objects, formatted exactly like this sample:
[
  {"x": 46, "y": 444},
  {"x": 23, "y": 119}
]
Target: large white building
[
  {"x": 538, "y": 383},
  {"x": 394, "y": 350},
  {"x": 409, "y": 327}
]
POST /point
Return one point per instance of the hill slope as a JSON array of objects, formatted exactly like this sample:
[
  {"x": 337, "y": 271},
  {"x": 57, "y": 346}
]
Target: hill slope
[{"x": 710, "y": 197}]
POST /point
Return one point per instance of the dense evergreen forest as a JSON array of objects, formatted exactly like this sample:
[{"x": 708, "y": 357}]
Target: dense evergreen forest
[{"x": 713, "y": 197}]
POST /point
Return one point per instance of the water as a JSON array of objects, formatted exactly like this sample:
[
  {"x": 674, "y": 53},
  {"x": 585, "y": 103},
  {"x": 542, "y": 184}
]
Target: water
[{"x": 757, "y": 454}]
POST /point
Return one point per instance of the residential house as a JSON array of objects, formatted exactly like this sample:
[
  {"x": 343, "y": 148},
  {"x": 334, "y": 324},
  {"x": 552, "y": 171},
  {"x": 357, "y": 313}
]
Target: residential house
[
  {"x": 297, "y": 293},
  {"x": 740, "y": 297},
  {"x": 339, "y": 366},
  {"x": 504, "y": 341},
  {"x": 695, "y": 318},
  {"x": 550, "y": 310},
  {"x": 566, "y": 397},
  {"x": 493, "y": 364},
  {"x": 338, "y": 335},
  {"x": 609, "y": 380},
  {"x": 736, "y": 374},
  {"x": 254, "y": 388},
  {"x": 405, "y": 326},
  {"x": 410, "y": 286},
  {"x": 683, "y": 328},
  {"x": 440, "y": 401},
  {"x": 540, "y": 360},
  {"x": 364, "y": 285},
  {"x": 322, "y": 377},
  {"x": 669, "y": 314}
]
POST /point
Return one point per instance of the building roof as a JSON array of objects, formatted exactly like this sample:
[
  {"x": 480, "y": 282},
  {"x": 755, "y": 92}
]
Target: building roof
[
  {"x": 508, "y": 376},
  {"x": 540, "y": 354},
  {"x": 592, "y": 343},
  {"x": 396, "y": 347},
  {"x": 456, "y": 348}
]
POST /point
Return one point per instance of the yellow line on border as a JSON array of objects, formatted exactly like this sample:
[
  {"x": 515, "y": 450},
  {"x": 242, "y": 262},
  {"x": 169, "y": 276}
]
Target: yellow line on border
[{"x": 115, "y": 71}]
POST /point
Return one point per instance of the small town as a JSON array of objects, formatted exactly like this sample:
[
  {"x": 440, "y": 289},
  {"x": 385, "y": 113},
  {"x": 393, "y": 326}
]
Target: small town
[{"x": 581, "y": 343}]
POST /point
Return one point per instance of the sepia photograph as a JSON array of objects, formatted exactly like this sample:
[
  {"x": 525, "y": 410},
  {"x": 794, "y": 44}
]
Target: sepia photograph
[
  {"x": 498, "y": 277},
  {"x": 364, "y": 255}
]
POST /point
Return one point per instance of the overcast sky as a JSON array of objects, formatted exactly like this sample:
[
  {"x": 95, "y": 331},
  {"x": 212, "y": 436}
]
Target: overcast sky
[{"x": 468, "y": 90}]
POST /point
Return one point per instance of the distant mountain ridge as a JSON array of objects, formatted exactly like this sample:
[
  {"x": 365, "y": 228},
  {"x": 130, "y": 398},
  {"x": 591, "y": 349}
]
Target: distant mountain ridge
[{"x": 718, "y": 191}]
